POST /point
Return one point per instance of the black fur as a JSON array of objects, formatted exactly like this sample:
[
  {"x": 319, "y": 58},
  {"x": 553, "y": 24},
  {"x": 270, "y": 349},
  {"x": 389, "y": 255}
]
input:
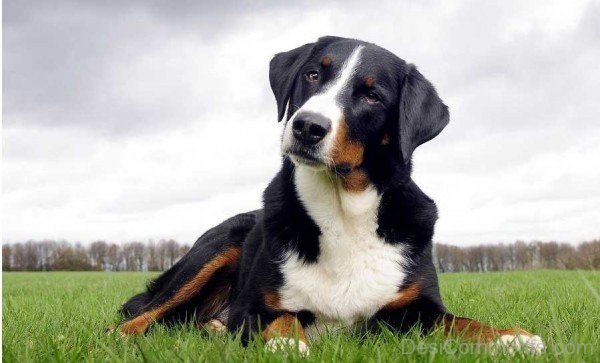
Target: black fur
[{"x": 409, "y": 112}]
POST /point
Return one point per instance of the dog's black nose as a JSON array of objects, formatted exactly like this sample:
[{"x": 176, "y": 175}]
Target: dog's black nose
[{"x": 309, "y": 128}]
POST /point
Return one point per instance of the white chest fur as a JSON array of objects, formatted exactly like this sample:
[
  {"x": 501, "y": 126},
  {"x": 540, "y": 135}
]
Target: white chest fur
[{"x": 356, "y": 272}]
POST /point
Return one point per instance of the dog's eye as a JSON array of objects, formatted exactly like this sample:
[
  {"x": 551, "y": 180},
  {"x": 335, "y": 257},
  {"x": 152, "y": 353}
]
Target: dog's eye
[
  {"x": 312, "y": 76},
  {"x": 372, "y": 97}
]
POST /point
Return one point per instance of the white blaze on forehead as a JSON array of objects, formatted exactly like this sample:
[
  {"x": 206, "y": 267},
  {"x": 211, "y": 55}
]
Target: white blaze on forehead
[
  {"x": 345, "y": 75},
  {"x": 326, "y": 103}
]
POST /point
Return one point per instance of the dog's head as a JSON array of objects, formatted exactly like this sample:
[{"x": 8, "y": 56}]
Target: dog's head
[{"x": 345, "y": 101}]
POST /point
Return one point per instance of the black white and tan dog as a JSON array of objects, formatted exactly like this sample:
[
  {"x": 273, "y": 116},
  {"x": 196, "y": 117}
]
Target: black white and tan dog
[{"x": 345, "y": 235}]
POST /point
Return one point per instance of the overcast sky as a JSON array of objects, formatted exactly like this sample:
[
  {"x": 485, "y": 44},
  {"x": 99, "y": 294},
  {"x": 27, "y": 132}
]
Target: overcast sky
[{"x": 143, "y": 120}]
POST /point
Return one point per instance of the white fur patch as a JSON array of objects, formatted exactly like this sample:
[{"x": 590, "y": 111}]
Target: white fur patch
[
  {"x": 216, "y": 326},
  {"x": 281, "y": 344},
  {"x": 357, "y": 272}
]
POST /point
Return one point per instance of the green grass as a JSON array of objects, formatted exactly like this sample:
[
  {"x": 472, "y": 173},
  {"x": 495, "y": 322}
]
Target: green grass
[{"x": 62, "y": 316}]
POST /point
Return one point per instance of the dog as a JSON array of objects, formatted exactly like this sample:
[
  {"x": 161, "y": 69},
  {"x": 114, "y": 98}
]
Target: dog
[{"x": 344, "y": 238}]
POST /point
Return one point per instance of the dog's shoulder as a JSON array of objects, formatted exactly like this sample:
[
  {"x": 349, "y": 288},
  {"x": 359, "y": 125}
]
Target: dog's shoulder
[{"x": 407, "y": 214}]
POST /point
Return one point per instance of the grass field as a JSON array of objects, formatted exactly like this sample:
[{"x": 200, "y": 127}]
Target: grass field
[{"x": 61, "y": 317}]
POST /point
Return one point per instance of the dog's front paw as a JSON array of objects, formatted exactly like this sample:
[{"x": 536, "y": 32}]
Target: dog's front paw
[
  {"x": 512, "y": 343},
  {"x": 136, "y": 326},
  {"x": 110, "y": 329},
  {"x": 282, "y": 344},
  {"x": 215, "y": 326}
]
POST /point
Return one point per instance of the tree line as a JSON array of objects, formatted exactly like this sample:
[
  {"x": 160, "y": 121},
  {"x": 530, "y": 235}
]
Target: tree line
[
  {"x": 518, "y": 256},
  {"x": 50, "y": 255}
]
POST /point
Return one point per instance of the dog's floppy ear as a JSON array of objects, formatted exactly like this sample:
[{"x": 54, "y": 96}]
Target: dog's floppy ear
[
  {"x": 283, "y": 71},
  {"x": 422, "y": 113}
]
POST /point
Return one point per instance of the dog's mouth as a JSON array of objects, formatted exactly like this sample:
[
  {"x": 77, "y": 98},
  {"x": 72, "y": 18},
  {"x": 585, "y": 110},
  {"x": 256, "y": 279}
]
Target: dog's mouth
[
  {"x": 301, "y": 155},
  {"x": 312, "y": 159}
]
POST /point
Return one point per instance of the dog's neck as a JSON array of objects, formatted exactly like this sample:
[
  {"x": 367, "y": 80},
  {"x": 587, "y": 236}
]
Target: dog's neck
[{"x": 323, "y": 195}]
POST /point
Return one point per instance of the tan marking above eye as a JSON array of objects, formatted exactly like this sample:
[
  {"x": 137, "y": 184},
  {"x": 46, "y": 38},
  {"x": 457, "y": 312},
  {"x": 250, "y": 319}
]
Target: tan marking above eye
[
  {"x": 369, "y": 81},
  {"x": 326, "y": 61},
  {"x": 386, "y": 139}
]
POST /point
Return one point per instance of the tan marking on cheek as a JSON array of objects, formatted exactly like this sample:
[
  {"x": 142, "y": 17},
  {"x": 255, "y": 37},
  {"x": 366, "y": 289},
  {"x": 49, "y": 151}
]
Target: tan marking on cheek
[
  {"x": 369, "y": 81},
  {"x": 355, "y": 181},
  {"x": 345, "y": 150},
  {"x": 272, "y": 300},
  {"x": 326, "y": 61},
  {"x": 285, "y": 325},
  {"x": 405, "y": 296}
]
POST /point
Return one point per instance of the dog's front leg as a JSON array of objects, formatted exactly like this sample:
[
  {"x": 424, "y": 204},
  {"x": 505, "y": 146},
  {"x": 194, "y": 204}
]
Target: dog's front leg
[
  {"x": 279, "y": 329},
  {"x": 283, "y": 332},
  {"x": 508, "y": 339},
  {"x": 413, "y": 307}
]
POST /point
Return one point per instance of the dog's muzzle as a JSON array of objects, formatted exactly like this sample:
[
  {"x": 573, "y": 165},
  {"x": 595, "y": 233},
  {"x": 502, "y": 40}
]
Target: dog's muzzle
[
  {"x": 306, "y": 144},
  {"x": 310, "y": 128}
]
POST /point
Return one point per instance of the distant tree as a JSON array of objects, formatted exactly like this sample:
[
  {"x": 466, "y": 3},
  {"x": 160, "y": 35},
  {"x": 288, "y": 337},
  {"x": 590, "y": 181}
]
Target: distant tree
[
  {"x": 459, "y": 259},
  {"x": 495, "y": 257},
  {"x": 153, "y": 257},
  {"x": 476, "y": 258},
  {"x": 71, "y": 258},
  {"x": 511, "y": 253},
  {"x": 161, "y": 251},
  {"x": 172, "y": 252},
  {"x": 536, "y": 254},
  {"x": 31, "y": 256},
  {"x": 98, "y": 255},
  {"x": 549, "y": 254},
  {"x": 6, "y": 257},
  {"x": 114, "y": 257},
  {"x": 183, "y": 249},
  {"x": 127, "y": 256},
  {"x": 566, "y": 257},
  {"x": 523, "y": 256},
  {"x": 138, "y": 249},
  {"x": 589, "y": 253},
  {"x": 46, "y": 251},
  {"x": 19, "y": 259},
  {"x": 440, "y": 255}
]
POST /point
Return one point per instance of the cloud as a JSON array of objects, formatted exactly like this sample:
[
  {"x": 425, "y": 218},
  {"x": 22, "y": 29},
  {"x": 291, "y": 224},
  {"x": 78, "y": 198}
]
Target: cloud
[
  {"x": 137, "y": 67},
  {"x": 137, "y": 120}
]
